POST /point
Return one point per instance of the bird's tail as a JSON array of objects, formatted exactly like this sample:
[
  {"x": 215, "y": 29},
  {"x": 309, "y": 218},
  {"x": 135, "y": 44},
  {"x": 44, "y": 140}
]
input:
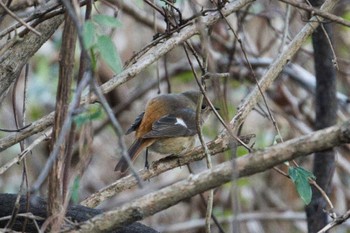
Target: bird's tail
[{"x": 133, "y": 152}]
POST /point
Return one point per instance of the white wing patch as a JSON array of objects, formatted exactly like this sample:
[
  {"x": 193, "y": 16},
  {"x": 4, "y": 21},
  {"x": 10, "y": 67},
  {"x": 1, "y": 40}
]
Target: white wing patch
[{"x": 179, "y": 121}]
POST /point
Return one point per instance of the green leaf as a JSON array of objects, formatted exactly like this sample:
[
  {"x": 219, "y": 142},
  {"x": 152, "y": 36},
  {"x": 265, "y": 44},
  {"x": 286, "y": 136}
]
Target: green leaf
[
  {"x": 109, "y": 53},
  {"x": 346, "y": 15},
  {"x": 241, "y": 151},
  {"x": 89, "y": 34},
  {"x": 106, "y": 20},
  {"x": 75, "y": 190},
  {"x": 92, "y": 112},
  {"x": 300, "y": 178}
]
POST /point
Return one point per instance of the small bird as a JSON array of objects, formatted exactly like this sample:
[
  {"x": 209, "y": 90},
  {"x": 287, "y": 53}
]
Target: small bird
[{"x": 167, "y": 126}]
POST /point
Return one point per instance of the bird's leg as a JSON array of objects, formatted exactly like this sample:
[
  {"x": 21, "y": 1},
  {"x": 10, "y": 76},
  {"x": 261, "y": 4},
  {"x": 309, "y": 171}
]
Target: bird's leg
[{"x": 146, "y": 162}]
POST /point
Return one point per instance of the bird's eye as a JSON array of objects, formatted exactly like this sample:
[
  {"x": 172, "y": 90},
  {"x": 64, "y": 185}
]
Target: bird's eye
[{"x": 204, "y": 106}]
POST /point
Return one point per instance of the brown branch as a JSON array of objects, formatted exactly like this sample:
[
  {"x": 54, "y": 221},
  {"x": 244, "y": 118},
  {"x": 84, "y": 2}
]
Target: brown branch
[
  {"x": 13, "y": 15},
  {"x": 216, "y": 146},
  {"x": 57, "y": 185},
  {"x": 37, "y": 213},
  {"x": 337, "y": 221},
  {"x": 250, "y": 164},
  {"x": 25, "y": 152},
  {"x": 151, "y": 56},
  {"x": 36, "y": 127},
  {"x": 244, "y": 110},
  {"x": 176, "y": 39},
  {"x": 140, "y": 15},
  {"x": 316, "y": 11},
  {"x": 15, "y": 57},
  {"x": 276, "y": 67}
]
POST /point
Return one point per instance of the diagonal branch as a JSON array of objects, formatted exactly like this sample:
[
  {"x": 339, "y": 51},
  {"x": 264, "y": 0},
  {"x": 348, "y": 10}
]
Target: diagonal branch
[
  {"x": 148, "y": 58},
  {"x": 13, "y": 15},
  {"x": 316, "y": 11},
  {"x": 220, "y": 174},
  {"x": 222, "y": 141},
  {"x": 14, "y": 58},
  {"x": 277, "y": 66}
]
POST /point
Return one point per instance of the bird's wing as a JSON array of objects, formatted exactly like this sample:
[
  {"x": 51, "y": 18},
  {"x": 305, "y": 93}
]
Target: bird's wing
[
  {"x": 136, "y": 123},
  {"x": 170, "y": 126}
]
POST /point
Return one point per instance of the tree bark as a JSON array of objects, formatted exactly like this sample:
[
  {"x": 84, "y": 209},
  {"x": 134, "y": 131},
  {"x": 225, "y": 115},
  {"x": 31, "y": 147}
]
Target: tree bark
[
  {"x": 16, "y": 56},
  {"x": 56, "y": 183},
  {"x": 326, "y": 115},
  {"x": 38, "y": 206}
]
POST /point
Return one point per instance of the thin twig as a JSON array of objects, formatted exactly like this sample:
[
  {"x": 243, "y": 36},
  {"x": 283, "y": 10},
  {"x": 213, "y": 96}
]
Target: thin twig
[
  {"x": 276, "y": 67},
  {"x": 13, "y": 15},
  {"x": 337, "y": 221},
  {"x": 201, "y": 139},
  {"x": 65, "y": 128},
  {"x": 130, "y": 72},
  {"x": 154, "y": 6},
  {"x": 323, "y": 193},
  {"x": 117, "y": 129},
  {"x": 25, "y": 215},
  {"x": 215, "y": 219},
  {"x": 216, "y": 146},
  {"x": 189, "y": 226},
  {"x": 286, "y": 28},
  {"x": 19, "y": 121},
  {"x": 254, "y": 76},
  {"x": 334, "y": 60},
  {"x": 15, "y": 130},
  {"x": 227, "y": 127},
  {"x": 24, "y": 153},
  {"x": 315, "y": 11},
  {"x": 208, "y": 179}
]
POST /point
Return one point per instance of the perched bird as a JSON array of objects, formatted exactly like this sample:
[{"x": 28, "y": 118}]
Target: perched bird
[{"x": 167, "y": 126}]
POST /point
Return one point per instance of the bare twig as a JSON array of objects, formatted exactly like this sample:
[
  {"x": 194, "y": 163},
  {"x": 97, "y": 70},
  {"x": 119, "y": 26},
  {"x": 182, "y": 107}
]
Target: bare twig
[
  {"x": 217, "y": 146},
  {"x": 15, "y": 130},
  {"x": 201, "y": 139},
  {"x": 255, "y": 78},
  {"x": 15, "y": 57},
  {"x": 25, "y": 215},
  {"x": 286, "y": 28},
  {"x": 328, "y": 138},
  {"x": 214, "y": 218},
  {"x": 25, "y": 152},
  {"x": 320, "y": 12},
  {"x": 220, "y": 174},
  {"x": 65, "y": 127},
  {"x": 324, "y": 194},
  {"x": 337, "y": 221},
  {"x": 227, "y": 127},
  {"x": 13, "y": 15},
  {"x": 276, "y": 67},
  {"x": 334, "y": 60},
  {"x": 118, "y": 130},
  {"x": 242, "y": 217},
  {"x": 151, "y": 56}
]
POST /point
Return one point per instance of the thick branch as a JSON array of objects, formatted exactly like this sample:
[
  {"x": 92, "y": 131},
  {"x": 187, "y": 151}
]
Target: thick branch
[
  {"x": 216, "y": 146},
  {"x": 326, "y": 115},
  {"x": 162, "y": 48},
  {"x": 316, "y": 11},
  {"x": 15, "y": 57},
  {"x": 277, "y": 66},
  {"x": 220, "y": 174},
  {"x": 36, "y": 127},
  {"x": 38, "y": 209},
  {"x": 151, "y": 56},
  {"x": 222, "y": 140}
]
